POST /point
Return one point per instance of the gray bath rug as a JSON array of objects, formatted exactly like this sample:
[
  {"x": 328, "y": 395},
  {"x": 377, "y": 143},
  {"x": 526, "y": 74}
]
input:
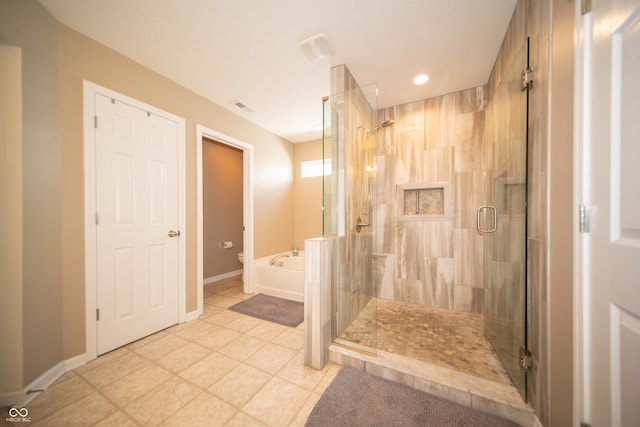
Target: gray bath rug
[
  {"x": 277, "y": 310},
  {"x": 356, "y": 398}
]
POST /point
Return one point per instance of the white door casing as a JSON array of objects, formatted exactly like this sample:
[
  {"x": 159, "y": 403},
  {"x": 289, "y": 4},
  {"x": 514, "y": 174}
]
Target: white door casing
[
  {"x": 608, "y": 253},
  {"x": 134, "y": 196}
]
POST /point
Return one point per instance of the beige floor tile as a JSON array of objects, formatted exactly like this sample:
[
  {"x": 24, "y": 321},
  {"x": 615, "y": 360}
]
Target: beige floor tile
[
  {"x": 291, "y": 338},
  {"x": 231, "y": 292},
  {"x": 114, "y": 369},
  {"x": 161, "y": 402},
  {"x": 134, "y": 385},
  {"x": 224, "y": 317},
  {"x": 102, "y": 359},
  {"x": 117, "y": 419},
  {"x": 84, "y": 412},
  {"x": 267, "y": 406},
  {"x": 209, "y": 370},
  {"x": 146, "y": 340},
  {"x": 301, "y": 417},
  {"x": 218, "y": 338},
  {"x": 271, "y": 358},
  {"x": 240, "y": 419},
  {"x": 58, "y": 396},
  {"x": 301, "y": 375},
  {"x": 222, "y": 301},
  {"x": 244, "y": 324},
  {"x": 184, "y": 357},
  {"x": 242, "y": 347},
  {"x": 165, "y": 345},
  {"x": 192, "y": 330},
  {"x": 209, "y": 310},
  {"x": 204, "y": 410},
  {"x": 268, "y": 331},
  {"x": 239, "y": 385}
]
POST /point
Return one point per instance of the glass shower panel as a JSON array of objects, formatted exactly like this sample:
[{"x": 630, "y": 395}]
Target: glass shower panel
[
  {"x": 503, "y": 221},
  {"x": 328, "y": 221},
  {"x": 349, "y": 213}
]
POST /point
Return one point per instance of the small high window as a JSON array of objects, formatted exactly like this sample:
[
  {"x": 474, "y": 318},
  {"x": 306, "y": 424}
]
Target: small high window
[{"x": 314, "y": 168}]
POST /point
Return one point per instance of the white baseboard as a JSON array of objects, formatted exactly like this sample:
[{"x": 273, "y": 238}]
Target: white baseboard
[
  {"x": 75, "y": 362},
  {"x": 221, "y": 276},
  {"x": 44, "y": 381},
  {"x": 192, "y": 315}
]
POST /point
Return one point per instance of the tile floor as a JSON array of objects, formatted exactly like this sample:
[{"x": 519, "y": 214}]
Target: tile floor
[
  {"x": 450, "y": 339},
  {"x": 222, "y": 369}
]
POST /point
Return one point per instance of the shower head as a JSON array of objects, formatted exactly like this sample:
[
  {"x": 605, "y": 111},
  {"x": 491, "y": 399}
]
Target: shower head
[{"x": 384, "y": 124}]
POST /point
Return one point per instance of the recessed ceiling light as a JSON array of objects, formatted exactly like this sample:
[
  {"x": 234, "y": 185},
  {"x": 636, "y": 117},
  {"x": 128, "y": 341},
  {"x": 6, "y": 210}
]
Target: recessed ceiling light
[{"x": 421, "y": 79}]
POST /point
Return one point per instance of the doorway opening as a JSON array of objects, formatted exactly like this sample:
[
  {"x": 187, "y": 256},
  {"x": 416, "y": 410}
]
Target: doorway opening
[
  {"x": 203, "y": 135},
  {"x": 222, "y": 229}
]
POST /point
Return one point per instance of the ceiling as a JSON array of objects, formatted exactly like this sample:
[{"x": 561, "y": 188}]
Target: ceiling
[{"x": 247, "y": 50}]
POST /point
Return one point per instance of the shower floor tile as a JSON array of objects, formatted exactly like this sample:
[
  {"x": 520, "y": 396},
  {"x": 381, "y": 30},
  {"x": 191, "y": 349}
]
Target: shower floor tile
[{"x": 450, "y": 339}]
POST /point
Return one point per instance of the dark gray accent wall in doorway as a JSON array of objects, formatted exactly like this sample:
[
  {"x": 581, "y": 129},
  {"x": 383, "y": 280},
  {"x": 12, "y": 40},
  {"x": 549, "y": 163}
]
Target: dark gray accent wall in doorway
[{"x": 222, "y": 207}]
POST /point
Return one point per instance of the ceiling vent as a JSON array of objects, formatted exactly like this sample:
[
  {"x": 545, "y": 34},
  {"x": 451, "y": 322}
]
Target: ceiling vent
[
  {"x": 242, "y": 106},
  {"x": 317, "y": 47}
]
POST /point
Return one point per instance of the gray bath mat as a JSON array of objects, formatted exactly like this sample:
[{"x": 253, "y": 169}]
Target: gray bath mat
[
  {"x": 277, "y": 310},
  {"x": 356, "y": 398}
]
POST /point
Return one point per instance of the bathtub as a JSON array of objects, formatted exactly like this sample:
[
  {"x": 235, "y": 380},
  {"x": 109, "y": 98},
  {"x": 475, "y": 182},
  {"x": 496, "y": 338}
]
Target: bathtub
[{"x": 284, "y": 280}]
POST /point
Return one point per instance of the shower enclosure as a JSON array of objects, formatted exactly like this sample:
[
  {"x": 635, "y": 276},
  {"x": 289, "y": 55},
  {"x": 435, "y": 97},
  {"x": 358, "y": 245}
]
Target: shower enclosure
[
  {"x": 352, "y": 123},
  {"x": 503, "y": 220},
  {"x": 349, "y": 201}
]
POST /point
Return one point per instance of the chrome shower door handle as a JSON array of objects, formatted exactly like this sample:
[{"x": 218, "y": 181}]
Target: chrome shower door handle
[{"x": 482, "y": 210}]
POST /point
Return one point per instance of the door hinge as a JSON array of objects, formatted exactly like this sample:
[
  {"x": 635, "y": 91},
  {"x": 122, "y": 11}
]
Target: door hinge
[
  {"x": 584, "y": 219},
  {"x": 525, "y": 359},
  {"x": 95, "y": 122},
  {"x": 526, "y": 78},
  {"x": 97, "y": 218},
  {"x": 97, "y": 314},
  {"x": 586, "y": 6}
]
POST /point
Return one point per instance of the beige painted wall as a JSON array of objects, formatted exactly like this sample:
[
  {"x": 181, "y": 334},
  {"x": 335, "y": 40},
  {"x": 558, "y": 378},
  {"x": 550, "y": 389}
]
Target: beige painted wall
[
  {"x": 82, "y": 58},
  {"x": 27, "y": 25},
  {"x": 222, "y": 207},
  {"x": 56, "y": 60},
  {"x": 307, "y": 195},
  {"x": 560, "y": 149},
  {"x": 11, "y": 219}
]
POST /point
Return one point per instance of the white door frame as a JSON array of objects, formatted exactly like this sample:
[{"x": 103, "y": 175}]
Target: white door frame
[
  {"x": 581, "y": 162},
  {"x": 90, "y": 90},
  {"x": 247, "y": 205}
]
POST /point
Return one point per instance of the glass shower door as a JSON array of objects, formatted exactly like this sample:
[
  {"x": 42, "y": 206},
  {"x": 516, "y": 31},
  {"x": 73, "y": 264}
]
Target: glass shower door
[
  {"x": 349, "y": 213},
  {"x": 503, "y": 221}
]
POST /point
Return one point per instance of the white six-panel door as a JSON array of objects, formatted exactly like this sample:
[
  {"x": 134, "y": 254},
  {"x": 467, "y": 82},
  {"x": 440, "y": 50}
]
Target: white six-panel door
[
  {"x": 137, "y": 269},
  {"x": 609, "y": 251}
]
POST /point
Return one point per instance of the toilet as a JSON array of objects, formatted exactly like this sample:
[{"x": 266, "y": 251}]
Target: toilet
[{"x": 241, "y": 259}]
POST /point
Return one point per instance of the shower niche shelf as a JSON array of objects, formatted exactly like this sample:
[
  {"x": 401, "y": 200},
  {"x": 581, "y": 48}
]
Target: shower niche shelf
[{"x": 424, "y": 201}]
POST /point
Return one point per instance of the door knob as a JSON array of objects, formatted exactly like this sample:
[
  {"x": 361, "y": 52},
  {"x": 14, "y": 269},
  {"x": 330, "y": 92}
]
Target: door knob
[{"x": 173, "y": 233}]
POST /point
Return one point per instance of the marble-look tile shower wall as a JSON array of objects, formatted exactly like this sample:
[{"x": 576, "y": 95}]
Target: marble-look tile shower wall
[{"x": 436, "y": 260}]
